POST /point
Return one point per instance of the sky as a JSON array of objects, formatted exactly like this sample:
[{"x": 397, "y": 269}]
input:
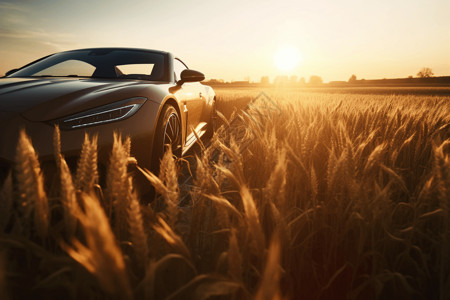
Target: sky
[{"x": 234, "y": 40}]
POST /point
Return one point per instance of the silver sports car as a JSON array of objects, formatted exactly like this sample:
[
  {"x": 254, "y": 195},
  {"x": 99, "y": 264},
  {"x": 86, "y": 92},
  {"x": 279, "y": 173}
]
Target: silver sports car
[{"x": 151, "y": 96}]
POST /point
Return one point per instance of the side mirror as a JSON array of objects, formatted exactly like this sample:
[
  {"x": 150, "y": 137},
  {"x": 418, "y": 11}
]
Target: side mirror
[
  {"x": 191, "y": 76},
  {"x": 10, "y": 72}
]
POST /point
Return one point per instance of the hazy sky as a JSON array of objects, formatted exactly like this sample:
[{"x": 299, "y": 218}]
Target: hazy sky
[{"x": 235, "y": 39}]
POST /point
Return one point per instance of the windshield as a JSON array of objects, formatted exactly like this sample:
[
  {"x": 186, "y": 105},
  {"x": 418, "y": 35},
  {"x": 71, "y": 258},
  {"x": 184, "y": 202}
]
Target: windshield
[{"x": 99, "y": 63}]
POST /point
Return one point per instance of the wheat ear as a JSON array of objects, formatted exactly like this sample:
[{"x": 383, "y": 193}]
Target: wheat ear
[
  {"x": 169, "y": 177},
  {"x": 118, "y": 187},
  {"x": 30, "y": 185},
  {"x": 87, "y": 170},
  {"x": 68, "y": 197}
]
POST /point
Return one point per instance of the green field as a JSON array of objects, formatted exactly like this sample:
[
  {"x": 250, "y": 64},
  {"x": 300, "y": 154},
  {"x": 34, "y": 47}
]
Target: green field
[{"x": 310, "y": 194}]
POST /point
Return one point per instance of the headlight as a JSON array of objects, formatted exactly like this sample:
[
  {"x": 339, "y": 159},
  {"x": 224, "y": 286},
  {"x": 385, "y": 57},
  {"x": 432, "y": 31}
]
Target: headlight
[{"x": 104, "y": 114}]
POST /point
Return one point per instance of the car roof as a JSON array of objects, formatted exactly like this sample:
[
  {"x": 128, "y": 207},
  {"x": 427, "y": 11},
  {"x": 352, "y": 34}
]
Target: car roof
[{"x": 117, "y": 48}]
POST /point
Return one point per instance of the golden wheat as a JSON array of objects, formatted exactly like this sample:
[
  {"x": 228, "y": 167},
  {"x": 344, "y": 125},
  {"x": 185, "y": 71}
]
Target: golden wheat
[
  {"x": 87, "y": 172},
  {"x": 356, "y": 159},
  {"x": 138, "y": 236},
  {"x": 118, "y": 187},
  {"x": 169, "y": 177},
  {"x": 68, "y": 198},
  {"x": 30, "y": 183},
  {"x": 303, "y": 195},
  {"x": 100, "y": 255},
  {"x": 270, "y": 282}
]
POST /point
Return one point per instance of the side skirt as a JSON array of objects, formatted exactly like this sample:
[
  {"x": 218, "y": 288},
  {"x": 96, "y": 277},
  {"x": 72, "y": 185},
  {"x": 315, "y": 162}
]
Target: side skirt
[{"x": 200, "y": 130}]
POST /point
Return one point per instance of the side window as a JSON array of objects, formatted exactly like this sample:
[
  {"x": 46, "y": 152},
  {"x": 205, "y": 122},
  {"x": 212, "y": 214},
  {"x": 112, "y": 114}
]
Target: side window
[{"x": 178, "y": 67}]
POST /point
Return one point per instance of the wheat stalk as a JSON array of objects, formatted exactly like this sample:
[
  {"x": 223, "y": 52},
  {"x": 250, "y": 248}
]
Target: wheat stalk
[
  {"x": 136, "y": 228},
  {"x": 68, "y": 197},
  {"x": 57, "y": 146},
  {"x": 275, "y": 190},
  {"x": 270, "y": 282},
  {"x": 169, "y": 177},
  {"x": 165, "y": 231},
  {"x": 100, "y": 255},
  {"x": 118, "y": 185},
  {"x": 87, "y": 173},
  {"x": 252, "y": 218},
  {"x": 234, "y": 258},
  {"x": 30, "y": 183}
]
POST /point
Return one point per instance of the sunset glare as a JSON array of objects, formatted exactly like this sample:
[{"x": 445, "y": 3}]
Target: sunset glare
[
  {"x": 287, "y": 58},
  {"x": 233, "y": 40}
]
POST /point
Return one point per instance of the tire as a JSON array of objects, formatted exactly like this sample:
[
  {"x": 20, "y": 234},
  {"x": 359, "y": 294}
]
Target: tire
[{"x": 168, "y": 134}]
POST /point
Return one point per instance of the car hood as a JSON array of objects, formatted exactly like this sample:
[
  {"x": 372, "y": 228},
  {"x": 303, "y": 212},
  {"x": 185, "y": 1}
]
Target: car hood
[{"x": 43, "y": 99}]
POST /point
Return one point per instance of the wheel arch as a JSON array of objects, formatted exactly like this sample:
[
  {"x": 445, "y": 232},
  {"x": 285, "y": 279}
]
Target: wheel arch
[
  {"x": 168, "y": 101},
  {"x": 172, "y": 102}
]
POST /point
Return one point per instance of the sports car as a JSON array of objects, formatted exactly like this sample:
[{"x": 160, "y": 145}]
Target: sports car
[{"x": 150, "y": 96}]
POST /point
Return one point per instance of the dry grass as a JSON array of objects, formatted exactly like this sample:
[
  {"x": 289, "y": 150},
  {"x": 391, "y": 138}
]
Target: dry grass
[{"x": 303, "y": 195}]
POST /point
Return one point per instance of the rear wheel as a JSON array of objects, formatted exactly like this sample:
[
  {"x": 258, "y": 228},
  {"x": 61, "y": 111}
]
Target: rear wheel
[{"x": 168, "y": 134}]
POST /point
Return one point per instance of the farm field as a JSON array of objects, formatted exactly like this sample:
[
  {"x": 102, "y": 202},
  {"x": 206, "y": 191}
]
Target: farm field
[
  {"x": 236, "y": 94},
  {"x": 311, "y": 194}
]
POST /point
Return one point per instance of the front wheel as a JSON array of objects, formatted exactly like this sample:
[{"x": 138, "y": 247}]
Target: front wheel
[{"x": 168, "y": 135}]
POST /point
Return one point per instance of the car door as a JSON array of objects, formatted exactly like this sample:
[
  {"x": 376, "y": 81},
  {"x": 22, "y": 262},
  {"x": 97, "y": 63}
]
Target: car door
[{"x": 192, "y": 98}]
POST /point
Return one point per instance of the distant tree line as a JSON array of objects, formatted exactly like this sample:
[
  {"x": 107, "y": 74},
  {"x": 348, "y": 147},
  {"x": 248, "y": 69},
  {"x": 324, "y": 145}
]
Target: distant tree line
[
  {"x": 293, "y": 80},
  {"x": 316, "y": 80},
  {"x": 423, "y": 73}
]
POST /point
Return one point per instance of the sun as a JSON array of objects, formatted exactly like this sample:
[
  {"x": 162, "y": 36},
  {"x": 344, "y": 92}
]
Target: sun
[{"x": 287, "y": 58}]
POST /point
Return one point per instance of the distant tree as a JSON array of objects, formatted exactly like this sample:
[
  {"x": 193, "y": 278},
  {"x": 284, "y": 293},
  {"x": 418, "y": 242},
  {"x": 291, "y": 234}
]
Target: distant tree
[
  {"x": 302, "y": 81},
  {"x": 425, "y": 73},
  {"x": 315, "y": 80},
  {"x": 265, "y": 80},
  {"x": 352, "y": 79}
]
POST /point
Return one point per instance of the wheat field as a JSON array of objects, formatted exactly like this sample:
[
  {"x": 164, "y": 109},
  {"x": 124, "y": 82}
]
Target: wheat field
[{"x": 300, "y": 196}]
